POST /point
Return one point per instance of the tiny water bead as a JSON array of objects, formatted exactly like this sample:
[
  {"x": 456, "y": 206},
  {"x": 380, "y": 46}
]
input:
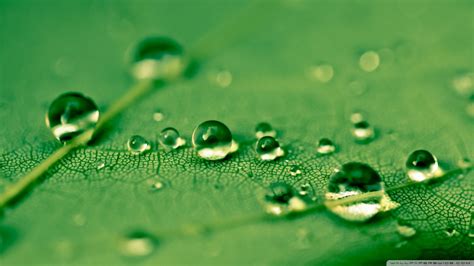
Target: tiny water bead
[
  {"x": 264, "y": 129},
  {"x": 294, "y": 170},
  {"x": 138, "y": 145},
  {"x": 325, "y": 146},
  {"x": 363, "y": 132},
  {"x": 323, "y": 73},
  {"x": 353, "y": 179},
  {"x": 422, "y": 165},
  {"x": 170, "y": 139},
  {"x": 158, "y": 116},
  {"x": 158, "y": 58},
  {"x": 369, "y": 61},
  {"x": 138, "y": 244},
  {"x": 268, "y": 149},
  {"x": 281, "y": 198},
  {"x": 213, "y": 140},
  {"x": 70, "y": 115}
]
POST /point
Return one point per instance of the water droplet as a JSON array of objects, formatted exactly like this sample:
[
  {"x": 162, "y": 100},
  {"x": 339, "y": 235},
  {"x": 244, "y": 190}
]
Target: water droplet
[
  {"x": 356, "y": 117},
  {"x": 369, "y": 61},
  {"x": 405, "y": 230},
  {"x": 463, "y": 84},
  {"x": 355, "y": 179},
  {"x": 138, "y": 244},
  {"x": 422, "y": 165},
  {"x": 100, "y": 165},
  {"x": 464, "y": 163},
  {"x": 304, "y": 189},
  {"x": 70, "y": 115},
  {"x": 451, "y": 232},
  {"x": 363, "y": 132},
  {"x": 268, "y": 149},
  {"x": 213, "y": 140},
  {"x": 170, "y": 138},
  {"x": 326, "y": 146},
  {"x": 264, "y": 129},
  {"x": 221, "y": 77},
  {"x": 294, "y": 170},
  {"x": 281, "y": 199},
  {"x": 158, "y": 58},
  {"x": 324, "y": 73},
  {"x": 158, "y": 116},
  {"x": 138, "y": 144}
]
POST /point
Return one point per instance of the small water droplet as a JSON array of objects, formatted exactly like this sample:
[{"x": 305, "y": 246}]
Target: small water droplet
[
  {"x": 264, "y": 129},
  {"x": 213, "y": 140},
  {"x": 100, "y": 165},
  {"x": 170, "y": 139},
  {"x": 70, "y": 115},
  {"x": 355, "y": 179},
  {"x": 281, "y": 199},
  {"x": 463, "y": 84},
  {"x": 294, "y": 170},
  {"x": 363, "y": 132},
  {"x": 138, "y": 145},
  {"x": 405, "y": 230},
  {"x": 221, "y": 77},
  {"x": 451, "y": 232},
  {"x": 422, "y": 165},
  {"x": 268, "y": 149},
  {"x": 158, "y": 58},
  {"x": 369, "y": 61},
  {"x": 356, "y": 117},
  {"x": 138, "y": 244},
  {"x": 464, "y": 163},
  {"x": 304, "y": 189},
  {"x": 158, "y": 116},
  {"x": 323, "y": 73},
  {"x": 325, "y": 146}
]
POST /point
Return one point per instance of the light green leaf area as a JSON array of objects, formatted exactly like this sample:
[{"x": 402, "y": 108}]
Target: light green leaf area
[{"x": 79, "y": 214}]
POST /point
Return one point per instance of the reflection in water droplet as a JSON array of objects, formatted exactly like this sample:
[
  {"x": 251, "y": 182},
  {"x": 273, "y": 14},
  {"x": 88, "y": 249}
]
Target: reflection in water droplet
[
  {"x": 323, "y": 73},
  {"x": 294, "y": 170},
  {"x": 137, "y": 145},
  {"x": 70, "y": 115},
  {"x": 369, "y": 61},
  {"x": 354, "y": 179},
  {"x": 138, "y": 244},
  {"x": 326, "y": 146},
  {"x": 213, "y": 140},
  {"x": 463, "y": 84},
  {"x": 363, "y": 132},
  {"x": 170, "y": 139},
  {"x": 422, "y": 165},
  {"x": 158, "y": 116},
  {"x": 281, "y": 199},
  {"x": 268, "y": 149},
  {"x": 158, "y": 58},
  {"x": 264, "y": 129},
  {"x": 405, "y": 230}
]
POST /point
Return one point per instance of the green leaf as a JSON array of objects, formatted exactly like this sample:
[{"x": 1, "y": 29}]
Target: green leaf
[{"x": 79, "y": 214}]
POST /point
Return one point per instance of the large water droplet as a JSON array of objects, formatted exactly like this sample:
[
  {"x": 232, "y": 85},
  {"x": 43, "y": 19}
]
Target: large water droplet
[
  {"x": 138, "y": 244},
  {"x": 70, "y": 115},
  {"x": 355, "y": 179},
  {"x": 323, "y": 73},
  {"x": 138, "y": 144},
  {"x": 369, "y": 61},
  {"x": 170, "y": 138},
  {"x": 213, "y": 140},
  {"x": 158, "y": 58},
  {"x": 264, "y": 129},
  {"x": 363, "y": 132},
  {"x": 281, "y": 199},
  {"x": 268, "y": 149},
  {"x": 422, "y": 165},
  {"x": 326, "y": 146}
]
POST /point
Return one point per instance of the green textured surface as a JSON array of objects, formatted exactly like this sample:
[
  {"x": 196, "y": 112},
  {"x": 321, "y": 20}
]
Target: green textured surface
[{"x": 49, "y": 47}]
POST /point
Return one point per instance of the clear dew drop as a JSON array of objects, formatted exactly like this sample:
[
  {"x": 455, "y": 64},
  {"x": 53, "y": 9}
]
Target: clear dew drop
[
  {"x": 264, "y": 129},
  {"x": 325, "y": 146},
  {"x": 212, "y": 140},
  {"x": 137, "y": 145},
  {"x": 323, "y": 73},
  {"x": 281, "y": 198},
  {"x": 268, "y": 149},
  {"x": 138, "y": 244},
  {"x": 294, "y": 170},
  {"x": 70, "y": 115},
  {"x": 354, "y": 179},
  {"x": 369, "y": 61},
  {"x": 158, "y": 58},
  {"x": 363, "y": 132},
  {"x": 463, "y": 84},
  {"x": 422, "y": 165},
  {"x": 170, "y": 139},
  {"x": 158, "y": 116},
  {"x": 405, "y": 231}
]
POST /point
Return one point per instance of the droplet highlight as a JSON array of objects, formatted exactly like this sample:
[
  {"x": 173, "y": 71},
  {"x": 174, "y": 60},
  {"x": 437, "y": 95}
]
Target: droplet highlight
[
  {"x": 325, "y": 146},
  {"x": 363, "y": 132},
  {"x": 323, "y": 73},
  {"x": 369, "y": 61},
  {"x": 281, "y": 198},
  {"x": 138, "y": 244}
]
